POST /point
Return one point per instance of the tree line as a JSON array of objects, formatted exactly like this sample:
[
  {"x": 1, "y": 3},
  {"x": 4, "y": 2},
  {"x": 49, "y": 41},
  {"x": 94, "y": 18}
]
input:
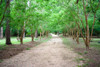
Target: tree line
[{"x": 79, "y": 18}]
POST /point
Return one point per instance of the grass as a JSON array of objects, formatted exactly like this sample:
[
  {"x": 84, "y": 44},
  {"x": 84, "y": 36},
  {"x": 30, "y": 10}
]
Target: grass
[
  {"x": 96, "y": 39},
  {"x": 84, "y": 65},
  {"x": 85, "y": 52},
  {"x": 80, "y": 59},
  {"x": 79, "y": 53},
  {"x": 67, "y": 41},
  {"x": 2, "y": 47},
  {"x": 14, "y": 40},
  {"x": 48, "y": 38},
  {"x": 28, "y": 48},
  {"x": 43, "y": 39},
  {"x": 26, "y": 39},
  {"x": 94, "y": 44},
  {"x": 1, "y": 61}
]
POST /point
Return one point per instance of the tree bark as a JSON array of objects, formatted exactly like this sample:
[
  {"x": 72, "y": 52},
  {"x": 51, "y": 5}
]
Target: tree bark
[
  {"x": 7, "y": 33},
  {"x": 63, "y": 33},
  {"x": 77, "y": 1},
  {"x": 80, "y": 19},
  {"x": 92, "y": 26},
  {"x": 47, "y": 33},
  {"x": 43, "y": 33},
  {"x": 8, "y": 40},
  {"x": 73, "y": 34},
  {"x": 18, "y": 35},
  {"x": 32, "y": 37},
  {"x": 21, "y": 37},
  {"x": 24, "y": 35},
  {"x": 1, "y": 32},
  {"x": 7, "y": 6},
  {"x": 36, "y": 34},
  {"x": 77, "y": 39},
  {"x": 40, "y": 35},
  {"x": 81, "y": 32},
  {"x": 87, "y": 28},
  {"x": 87, "y": 37}
]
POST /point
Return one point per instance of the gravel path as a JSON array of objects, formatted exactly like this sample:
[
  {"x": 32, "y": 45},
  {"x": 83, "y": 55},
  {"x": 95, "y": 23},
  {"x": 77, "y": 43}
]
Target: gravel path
[{"x": 49, "y": 54}]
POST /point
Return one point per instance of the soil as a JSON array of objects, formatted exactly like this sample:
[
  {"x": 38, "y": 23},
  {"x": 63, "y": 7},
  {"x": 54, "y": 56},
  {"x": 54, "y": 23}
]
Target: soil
[
  {"x": 12, "y": 50},
  {"x": 93, "y": 54},
  {"x": 49, "y": 54}
]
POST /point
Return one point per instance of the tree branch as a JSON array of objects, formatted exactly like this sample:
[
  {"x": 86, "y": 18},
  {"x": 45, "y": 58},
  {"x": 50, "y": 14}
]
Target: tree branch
[{"x": 4, "y": 11}]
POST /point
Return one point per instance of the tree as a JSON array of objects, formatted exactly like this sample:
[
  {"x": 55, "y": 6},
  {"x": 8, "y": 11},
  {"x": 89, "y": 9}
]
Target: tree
[
  {"x": 7, "y": 33},
  {"x": 19, "y": 16}
]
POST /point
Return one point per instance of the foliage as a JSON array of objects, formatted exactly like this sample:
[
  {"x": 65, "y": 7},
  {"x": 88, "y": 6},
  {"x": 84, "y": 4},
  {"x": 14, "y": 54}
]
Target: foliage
[{"x": 50, "y": 15}]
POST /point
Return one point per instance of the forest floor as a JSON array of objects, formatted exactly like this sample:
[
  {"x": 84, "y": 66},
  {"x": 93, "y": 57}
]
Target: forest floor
[
  {"x": 8, "y": 51},
  {"x": 52, "y": 53},
  {"x": 12, "y": 50},
  {"x": 91, "y": 58}
]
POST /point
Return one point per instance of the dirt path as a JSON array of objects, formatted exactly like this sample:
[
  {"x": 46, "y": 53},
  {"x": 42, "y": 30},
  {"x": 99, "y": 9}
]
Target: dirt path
[{"x": 49, "y": 54}]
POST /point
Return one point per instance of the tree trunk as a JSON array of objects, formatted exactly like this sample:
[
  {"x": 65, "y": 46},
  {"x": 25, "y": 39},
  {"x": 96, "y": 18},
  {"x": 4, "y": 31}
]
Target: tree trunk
[
  {"x": 1, "y": 32},
  {"x": 87, "y": 28},
  {"x": 24, "y": 31},
  {"x": 77, "y": 39},
  {"x": 7, "y": 6},
  {"x": 36, "y": 34},
  {"x": 63, "y": 33},
  {"x": 87, "y": 46},
  {"x": 18, "y": 35},
  {"x": 73, "y": 34},
  {"x": 40, "y": 35},
  {"x": 24, "y": 35},
  {"x": 81, "y": 32},
  {"x": 87, "y": 33},
  {"x": 8, "y": 40},
  {"x": 92, "y": 26},
  {"x": 87, "y": 37},
  {"x": 21, "y": 40},
  {"x": 7, "y": 33},
  {"x": 47, "y": 33},
  {"x": 32, "y": 37},
  {"x": 21, "y": 37},
  {"x": 43, "y": 33}
]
